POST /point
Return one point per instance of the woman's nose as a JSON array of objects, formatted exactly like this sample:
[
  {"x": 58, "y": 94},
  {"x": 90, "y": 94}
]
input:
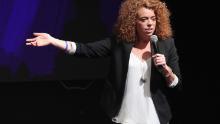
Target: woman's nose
[{"x": 149, "y": 23}]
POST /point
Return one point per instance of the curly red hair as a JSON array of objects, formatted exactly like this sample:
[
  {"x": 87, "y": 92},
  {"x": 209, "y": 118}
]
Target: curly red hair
[{"x": 126, "y": 22}]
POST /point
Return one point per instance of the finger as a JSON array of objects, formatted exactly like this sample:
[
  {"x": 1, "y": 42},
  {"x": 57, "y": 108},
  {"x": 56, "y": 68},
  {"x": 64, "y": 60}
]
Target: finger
[
  {"x": 162, "y": 63},
  {"x": 156, "y": 55},
  {"x": 160, "y": 59},
  {"x": 28, "y": 44},
  {"x": 159, "y": 62},
  {"x": 39, "y": 34},
  {"x": 31, "y": 40}
]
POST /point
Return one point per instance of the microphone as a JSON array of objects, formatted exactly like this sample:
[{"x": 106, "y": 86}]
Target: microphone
[{"x": 154, "y": 41}]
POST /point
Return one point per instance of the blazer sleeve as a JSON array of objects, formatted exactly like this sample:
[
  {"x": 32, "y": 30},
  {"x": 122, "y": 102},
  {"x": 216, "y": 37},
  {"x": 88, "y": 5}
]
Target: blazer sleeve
[
  {"x": 173, "y": 62},
  {"x": 100, "y": 48}
]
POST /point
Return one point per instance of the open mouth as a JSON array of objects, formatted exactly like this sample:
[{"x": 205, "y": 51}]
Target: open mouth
[{"x": 148, "y": 29}]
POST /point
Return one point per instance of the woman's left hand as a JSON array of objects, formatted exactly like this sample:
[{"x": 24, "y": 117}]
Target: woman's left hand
[{"x": 159, "y": 59}]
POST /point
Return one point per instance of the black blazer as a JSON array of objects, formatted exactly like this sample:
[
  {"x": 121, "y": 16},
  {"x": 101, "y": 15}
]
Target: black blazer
[{"x": 119, "y": 52}]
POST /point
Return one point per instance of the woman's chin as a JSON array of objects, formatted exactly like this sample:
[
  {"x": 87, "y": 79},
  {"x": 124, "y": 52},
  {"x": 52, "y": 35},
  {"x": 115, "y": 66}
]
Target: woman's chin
[{"x": 148, "y": 34}]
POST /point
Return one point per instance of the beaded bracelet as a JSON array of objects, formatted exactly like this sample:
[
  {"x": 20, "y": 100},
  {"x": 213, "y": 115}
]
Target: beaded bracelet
[{"x": 66, "y": 47}]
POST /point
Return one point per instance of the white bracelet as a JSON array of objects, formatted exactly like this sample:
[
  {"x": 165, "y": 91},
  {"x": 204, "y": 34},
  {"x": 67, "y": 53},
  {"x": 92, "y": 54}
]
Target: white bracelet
[{"x": 66, "y": 47}]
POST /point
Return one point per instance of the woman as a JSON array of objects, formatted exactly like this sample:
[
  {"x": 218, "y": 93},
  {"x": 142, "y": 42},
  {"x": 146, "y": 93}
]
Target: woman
[{"x": 134, "y": 92}]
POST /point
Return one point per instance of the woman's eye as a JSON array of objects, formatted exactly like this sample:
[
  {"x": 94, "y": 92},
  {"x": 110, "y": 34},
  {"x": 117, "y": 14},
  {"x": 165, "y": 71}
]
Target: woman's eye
[
  {"x": 143, "y": 19},
  {"x": 153, "y": 18}
]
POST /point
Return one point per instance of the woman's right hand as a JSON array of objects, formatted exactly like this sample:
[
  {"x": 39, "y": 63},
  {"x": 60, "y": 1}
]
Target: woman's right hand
[{"x": 41, "y": 39}]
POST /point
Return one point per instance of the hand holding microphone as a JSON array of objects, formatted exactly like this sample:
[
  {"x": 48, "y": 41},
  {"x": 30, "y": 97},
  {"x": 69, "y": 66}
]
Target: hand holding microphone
[{"x": 159, "y": 59}]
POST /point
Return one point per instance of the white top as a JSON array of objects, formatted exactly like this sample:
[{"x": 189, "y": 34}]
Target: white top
[{"x": 137, "y": 106}]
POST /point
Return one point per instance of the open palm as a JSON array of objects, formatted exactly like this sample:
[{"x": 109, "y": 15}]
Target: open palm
[{"x": 41, "y": 39}]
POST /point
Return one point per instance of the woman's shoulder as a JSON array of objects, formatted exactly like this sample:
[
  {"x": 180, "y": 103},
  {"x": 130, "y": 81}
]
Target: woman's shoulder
[
  {"x": 168, "y": 41},
  {"x": 167, "y": 44}
]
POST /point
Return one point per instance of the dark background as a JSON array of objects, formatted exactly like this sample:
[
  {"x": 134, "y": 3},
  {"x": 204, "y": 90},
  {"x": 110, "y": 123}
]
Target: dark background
[{"x": 44, "y": 85}]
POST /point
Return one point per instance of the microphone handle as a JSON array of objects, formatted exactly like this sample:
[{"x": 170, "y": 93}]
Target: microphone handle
[
  {"x": 159, "y": 67},
  {"x": 155, "y": 48}
]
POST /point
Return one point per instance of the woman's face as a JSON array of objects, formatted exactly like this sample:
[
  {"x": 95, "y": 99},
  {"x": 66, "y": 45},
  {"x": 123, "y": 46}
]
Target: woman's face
[{"x": 145, "y": 22}]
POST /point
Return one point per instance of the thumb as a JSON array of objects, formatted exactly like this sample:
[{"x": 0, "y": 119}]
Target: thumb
[{"x": 40, "y": 34}]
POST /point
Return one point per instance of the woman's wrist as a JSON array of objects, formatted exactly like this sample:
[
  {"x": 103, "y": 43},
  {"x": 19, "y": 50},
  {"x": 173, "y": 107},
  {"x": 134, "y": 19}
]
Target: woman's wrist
[
  {"x": 58, "y": 43},
  {"x": 53, "y": 41},
  {"x": 168, "y": 73}
]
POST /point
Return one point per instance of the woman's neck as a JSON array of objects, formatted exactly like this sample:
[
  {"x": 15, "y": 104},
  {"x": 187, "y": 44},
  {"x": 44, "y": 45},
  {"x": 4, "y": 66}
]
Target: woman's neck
[
  {"x": 141, "y": 44},
  {"x": 142, "y": 49}
]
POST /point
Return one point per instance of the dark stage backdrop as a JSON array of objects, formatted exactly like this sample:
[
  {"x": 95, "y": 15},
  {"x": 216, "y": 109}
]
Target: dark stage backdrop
[{"x": 77, "y": 20}]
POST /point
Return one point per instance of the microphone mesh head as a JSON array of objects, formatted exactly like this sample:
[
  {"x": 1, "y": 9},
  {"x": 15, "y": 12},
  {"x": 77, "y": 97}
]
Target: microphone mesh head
[{"x": 154, "y": 38}]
